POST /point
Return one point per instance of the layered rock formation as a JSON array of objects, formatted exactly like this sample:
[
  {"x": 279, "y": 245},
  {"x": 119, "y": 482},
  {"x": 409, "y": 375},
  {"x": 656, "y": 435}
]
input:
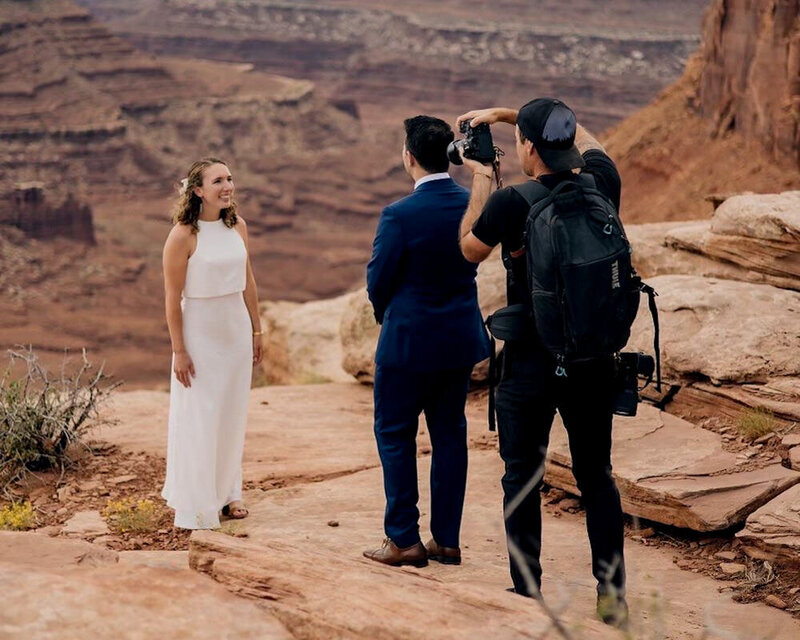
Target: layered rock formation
[
  {"x": 83, "y": 113},
  {"x": 394, "y": 59}
]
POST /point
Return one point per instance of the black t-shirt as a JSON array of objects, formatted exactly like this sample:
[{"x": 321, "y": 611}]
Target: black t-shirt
[{"x": 505, "y": 212}]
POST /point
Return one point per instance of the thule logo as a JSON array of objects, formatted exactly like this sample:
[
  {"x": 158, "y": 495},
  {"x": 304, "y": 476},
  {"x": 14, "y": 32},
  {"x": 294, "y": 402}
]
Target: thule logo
[{"x": 615, "y": 275}]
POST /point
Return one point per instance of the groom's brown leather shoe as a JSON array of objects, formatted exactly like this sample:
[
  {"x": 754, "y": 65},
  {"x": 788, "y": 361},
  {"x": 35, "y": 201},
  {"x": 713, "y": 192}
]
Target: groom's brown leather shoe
[
  {"x": 391, "y": 554},
  {"x": 445, "y": 555}
]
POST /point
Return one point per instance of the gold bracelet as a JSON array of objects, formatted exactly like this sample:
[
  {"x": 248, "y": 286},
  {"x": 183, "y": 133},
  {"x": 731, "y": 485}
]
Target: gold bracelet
[{"x": 258, "y": 333}]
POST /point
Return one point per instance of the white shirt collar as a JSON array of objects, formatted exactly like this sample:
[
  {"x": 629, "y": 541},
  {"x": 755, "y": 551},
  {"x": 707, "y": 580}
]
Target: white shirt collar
[{"x": 430, "y": 178}]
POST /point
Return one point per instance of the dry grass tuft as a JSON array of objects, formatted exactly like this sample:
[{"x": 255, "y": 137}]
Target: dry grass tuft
[{"x": 756, "y": 422}]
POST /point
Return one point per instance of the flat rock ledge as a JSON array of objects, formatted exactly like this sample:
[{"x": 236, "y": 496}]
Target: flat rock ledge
[
  {"x": 775, "y": 527},
  {"x": 681, "y": 248},
  {"x": 61, "y": 588},
  {"x": 673, "y": 472},
  {"x": 330, "y": 595}
]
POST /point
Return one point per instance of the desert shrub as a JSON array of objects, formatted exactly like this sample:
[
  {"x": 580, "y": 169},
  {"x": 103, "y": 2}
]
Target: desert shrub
[
  {"x": 756, "y": 422},
  {"x": 42, "y": 415},
  {"x": 131, "y": 516},
  {"x": 18, "y": 516}
]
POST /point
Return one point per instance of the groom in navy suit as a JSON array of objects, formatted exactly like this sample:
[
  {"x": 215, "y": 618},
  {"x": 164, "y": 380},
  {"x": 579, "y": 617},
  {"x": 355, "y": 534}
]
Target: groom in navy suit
[{"x": 423, "y": 293}]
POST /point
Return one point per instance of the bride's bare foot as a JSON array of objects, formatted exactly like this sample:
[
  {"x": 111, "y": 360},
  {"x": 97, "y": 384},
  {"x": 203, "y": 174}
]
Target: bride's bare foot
[{"x": 235, "y": 510}]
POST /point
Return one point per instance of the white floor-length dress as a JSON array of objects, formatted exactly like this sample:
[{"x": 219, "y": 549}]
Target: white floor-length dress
[{"x": 207, "y": 420}]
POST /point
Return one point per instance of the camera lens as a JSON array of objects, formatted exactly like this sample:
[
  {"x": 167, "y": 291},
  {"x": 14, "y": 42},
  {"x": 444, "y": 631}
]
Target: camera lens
[{"x": 453, "y": 154}]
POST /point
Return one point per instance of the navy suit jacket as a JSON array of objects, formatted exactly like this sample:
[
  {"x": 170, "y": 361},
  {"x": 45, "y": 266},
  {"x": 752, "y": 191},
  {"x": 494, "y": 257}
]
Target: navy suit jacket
[{"x": 421, "y": 287}]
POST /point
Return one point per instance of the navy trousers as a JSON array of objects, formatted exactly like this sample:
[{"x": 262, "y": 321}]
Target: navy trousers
[{"x": 400, "y": 397}]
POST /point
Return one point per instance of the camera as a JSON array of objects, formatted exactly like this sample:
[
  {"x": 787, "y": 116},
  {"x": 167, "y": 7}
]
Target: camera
[
  {"x": 477, "y": 144},
  {"x": 631, "y": 365}
]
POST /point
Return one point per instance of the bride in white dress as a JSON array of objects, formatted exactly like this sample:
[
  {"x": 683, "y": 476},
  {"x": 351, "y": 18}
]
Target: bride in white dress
[{"x": 214, "y": 326}]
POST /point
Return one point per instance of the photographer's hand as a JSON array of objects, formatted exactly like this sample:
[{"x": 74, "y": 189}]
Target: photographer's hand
[{"x": 489, "y": 116}]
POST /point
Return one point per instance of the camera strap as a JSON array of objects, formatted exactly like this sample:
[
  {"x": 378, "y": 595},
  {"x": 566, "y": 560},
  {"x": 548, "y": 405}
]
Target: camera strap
[
  {"x": 651, "y": 302},
  {"x": 498, "y": 177}
]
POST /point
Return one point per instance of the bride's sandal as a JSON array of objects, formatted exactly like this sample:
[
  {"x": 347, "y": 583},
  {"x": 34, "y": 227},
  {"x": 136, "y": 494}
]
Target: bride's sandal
[{"x": 235, "y": 510}]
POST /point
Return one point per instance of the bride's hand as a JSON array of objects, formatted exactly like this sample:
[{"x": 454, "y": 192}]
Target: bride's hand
[
  {"x": 258, "y": 349},
  {"x": 184, "y": 368}
]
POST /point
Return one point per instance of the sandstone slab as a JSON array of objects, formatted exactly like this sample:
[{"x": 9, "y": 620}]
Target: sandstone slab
[
  {"x": 48, "y": 593},
  {"x": 302, "y": 342},
  {"x": 732, "y": 568},
  {"x": 290, "y": 553},
  {"x": 723, "y": 330},
  {"x": 772, "y": 216},
  {"x": 671, "y": 471},
  {"x": 85, "y": 524},
  {"x": 359, "y": 333},
  {"x": 791, "y": 440},
  {"x": 794, "y": 458},
  {"x": 775, "y": 527},
  {"x": 176, "y": 560}
]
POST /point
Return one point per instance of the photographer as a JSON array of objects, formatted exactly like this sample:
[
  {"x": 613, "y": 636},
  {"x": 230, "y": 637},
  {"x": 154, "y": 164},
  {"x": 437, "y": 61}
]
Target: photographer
[{"x": 550, "y": 146}]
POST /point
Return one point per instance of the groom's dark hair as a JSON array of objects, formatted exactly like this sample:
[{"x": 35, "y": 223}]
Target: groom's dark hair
[{"x": 427, "y": 139}]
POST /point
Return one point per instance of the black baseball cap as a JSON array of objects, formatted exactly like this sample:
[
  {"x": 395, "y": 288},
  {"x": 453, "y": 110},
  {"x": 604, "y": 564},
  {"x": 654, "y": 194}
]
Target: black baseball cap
[{"x": 550, "y": 125}]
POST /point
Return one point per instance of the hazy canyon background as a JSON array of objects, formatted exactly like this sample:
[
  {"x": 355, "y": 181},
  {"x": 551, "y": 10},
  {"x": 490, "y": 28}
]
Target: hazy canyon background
[{"x": 103, "y": 106}]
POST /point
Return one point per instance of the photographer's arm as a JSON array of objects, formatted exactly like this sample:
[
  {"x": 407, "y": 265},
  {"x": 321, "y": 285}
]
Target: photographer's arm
[
  {"x": 473, "y": 249},
  {"x": 489, "y": 116},
  {"x": 584, "y": 141}
]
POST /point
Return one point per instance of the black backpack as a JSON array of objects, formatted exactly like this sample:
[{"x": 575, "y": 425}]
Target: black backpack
[{"x": 583, "y": 288}]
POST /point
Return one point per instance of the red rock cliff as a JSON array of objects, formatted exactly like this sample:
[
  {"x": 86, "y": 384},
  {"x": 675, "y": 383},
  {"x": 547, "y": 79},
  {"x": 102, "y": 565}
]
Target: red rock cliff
[
  {"x": 730, "y": 124},
  {"x": 750, "y": 79}
]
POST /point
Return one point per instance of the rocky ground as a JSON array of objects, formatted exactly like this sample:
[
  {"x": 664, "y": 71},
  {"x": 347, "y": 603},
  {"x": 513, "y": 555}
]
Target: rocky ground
[{"x": 313, "y": 486}]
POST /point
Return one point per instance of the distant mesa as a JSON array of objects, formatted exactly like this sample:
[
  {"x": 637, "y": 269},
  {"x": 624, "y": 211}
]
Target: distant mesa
[{"x": 27, "y": 209}]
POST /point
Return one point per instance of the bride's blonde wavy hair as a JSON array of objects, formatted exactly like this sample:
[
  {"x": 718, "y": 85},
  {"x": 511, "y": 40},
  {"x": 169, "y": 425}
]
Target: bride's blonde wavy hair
[{"x": 187, "y": 209}]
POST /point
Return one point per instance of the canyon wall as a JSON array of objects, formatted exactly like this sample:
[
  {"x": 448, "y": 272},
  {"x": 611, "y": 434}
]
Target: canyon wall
[
  {"x": 729, "y": 125},
  {"x": 401, "y": 58},
  {"x": 27, "y": 208},
  {"x": 750, "y": 78}
]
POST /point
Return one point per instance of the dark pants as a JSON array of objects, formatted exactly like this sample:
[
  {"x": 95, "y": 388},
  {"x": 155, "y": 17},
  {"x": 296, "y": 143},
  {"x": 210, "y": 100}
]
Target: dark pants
[
  {"x": 527, "y": 397},
  {"x": 400, "y": 396}
]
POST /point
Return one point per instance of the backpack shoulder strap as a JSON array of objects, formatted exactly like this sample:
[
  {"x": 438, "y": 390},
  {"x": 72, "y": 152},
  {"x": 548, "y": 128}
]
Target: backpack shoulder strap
[
  {"x": 587, "y": 180},
  {"x": 532, "y": 191}
]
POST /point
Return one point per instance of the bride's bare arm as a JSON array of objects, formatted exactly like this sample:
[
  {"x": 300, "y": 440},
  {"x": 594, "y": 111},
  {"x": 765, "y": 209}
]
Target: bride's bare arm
[
  {"x": 251, "y": 296},
  {"x": 177, "y": 250}
]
